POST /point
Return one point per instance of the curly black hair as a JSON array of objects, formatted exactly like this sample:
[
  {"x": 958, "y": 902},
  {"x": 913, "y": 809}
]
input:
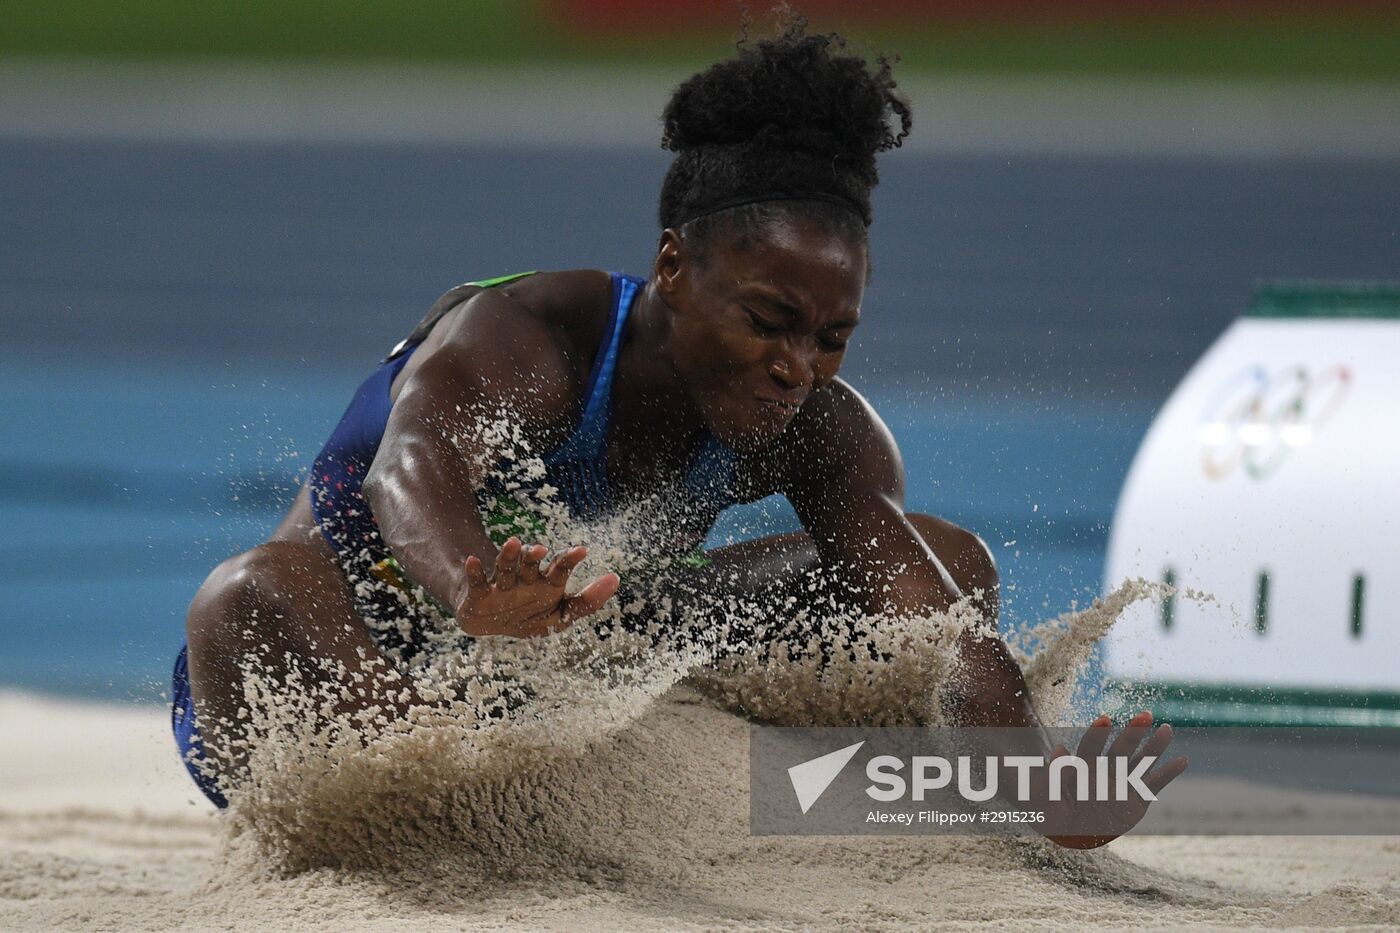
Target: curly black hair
[{"x": 789, "y": 127}]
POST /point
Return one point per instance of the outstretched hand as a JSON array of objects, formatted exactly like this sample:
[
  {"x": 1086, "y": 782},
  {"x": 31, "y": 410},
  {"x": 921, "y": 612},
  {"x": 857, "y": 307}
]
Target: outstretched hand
[
  {"x": 1106, "y": 820},
  {"x": 525, "y": 599}
]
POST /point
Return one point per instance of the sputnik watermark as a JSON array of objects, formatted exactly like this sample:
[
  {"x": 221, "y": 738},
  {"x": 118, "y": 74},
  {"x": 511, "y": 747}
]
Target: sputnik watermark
[
  {"x": 811, "y": 778},
  {"x": 906, "y": 780},
  {"x": 893, "y": 785},
  {"x": 943, "y": 818},
  {"x": 1119, "y": 778}
]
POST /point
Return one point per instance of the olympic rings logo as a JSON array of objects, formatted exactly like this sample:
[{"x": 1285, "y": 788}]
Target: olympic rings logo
[{"x": 1256, "y": 419}]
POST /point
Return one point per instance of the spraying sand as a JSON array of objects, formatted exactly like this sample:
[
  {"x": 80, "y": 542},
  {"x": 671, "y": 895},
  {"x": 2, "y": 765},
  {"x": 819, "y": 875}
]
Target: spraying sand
[
  {"x": 627, "y": 809},
  {"x": 611, "y": 792},
  {"x": 111, "y": 840}
]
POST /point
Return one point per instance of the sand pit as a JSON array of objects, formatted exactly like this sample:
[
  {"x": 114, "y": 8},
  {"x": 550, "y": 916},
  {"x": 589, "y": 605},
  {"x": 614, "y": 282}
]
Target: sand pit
[{"x": 100, "y": 829}]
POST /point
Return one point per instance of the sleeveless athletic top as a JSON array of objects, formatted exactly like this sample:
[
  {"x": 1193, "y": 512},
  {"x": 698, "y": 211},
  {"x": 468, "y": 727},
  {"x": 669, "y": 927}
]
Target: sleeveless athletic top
[{"x": 577, "y": 468}]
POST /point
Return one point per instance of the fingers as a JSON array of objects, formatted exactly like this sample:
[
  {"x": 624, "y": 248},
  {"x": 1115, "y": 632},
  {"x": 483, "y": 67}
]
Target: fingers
[
  {"x": 588, "y": 601},
  {"x": 1167, "y": 773},
  {"x": 476, "y": 575},
  {"x": 591, "y": 598},
  {"x": 508, "y": 564},
  {"x": 517, "y": 562},
  {"x": 1095, "y": 738},
  {"x": 563, "y": 565},
  {"x": 521, "y": 567},
  {"x": 530, "y": 570},
  {"x": 1155, "y": 746},
  {"x": 1127, "y": 742}
]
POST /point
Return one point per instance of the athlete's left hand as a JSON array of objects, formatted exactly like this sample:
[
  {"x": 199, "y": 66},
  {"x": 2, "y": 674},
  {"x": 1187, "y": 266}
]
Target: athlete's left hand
[{"x": 1106, "y": 820}]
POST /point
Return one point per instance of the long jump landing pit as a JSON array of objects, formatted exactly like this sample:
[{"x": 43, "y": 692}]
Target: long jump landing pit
[{"x": 100, "y": 829}]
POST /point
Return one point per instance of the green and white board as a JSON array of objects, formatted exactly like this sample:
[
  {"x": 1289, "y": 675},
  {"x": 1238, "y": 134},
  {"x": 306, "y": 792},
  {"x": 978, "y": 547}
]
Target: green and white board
[{"x": 1271, "y": 481}]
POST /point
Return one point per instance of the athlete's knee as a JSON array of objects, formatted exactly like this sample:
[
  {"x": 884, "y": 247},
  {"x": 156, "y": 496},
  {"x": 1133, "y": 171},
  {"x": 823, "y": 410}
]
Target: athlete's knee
[
  {"x": 965, "y": 555},
  {"x": 247, "y": 594}
]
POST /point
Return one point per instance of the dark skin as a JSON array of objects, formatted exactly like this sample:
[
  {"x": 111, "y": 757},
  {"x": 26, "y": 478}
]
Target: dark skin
[{"x": 746, "y": 343}]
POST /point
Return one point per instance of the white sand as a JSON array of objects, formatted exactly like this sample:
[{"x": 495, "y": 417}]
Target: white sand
[{"x": 101, "y": 829}]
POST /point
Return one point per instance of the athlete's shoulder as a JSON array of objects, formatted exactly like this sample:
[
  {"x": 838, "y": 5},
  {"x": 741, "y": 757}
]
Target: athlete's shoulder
[
  {"x": 838, "y": 433},
  {"x": 838, "y": 413},
  {"x": 837, "y": 436},
  {"x": 561, "y": 295},
  {"x": 508, "y": 344},
  {"x": 576, "y": 304},
  {"x": 542, "y": 329},
  {"x": 559, "y": 309}
]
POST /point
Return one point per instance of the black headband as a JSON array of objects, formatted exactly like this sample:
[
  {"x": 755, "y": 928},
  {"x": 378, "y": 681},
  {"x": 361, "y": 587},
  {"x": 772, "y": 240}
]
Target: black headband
[{"x": 727, "y": 203}]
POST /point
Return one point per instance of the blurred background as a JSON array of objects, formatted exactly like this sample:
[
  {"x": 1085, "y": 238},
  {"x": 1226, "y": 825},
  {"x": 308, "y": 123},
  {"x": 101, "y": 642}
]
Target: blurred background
[{"x": 215, "y": 218}]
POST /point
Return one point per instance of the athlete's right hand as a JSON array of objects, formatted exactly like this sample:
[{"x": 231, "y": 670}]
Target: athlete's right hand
[{"x": 523, "y": 599}]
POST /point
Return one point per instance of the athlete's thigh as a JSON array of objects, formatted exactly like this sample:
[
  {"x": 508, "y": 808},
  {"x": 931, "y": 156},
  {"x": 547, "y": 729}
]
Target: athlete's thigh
[
  {"x": 756, "y": 565},
  {"x": 284, "y": 605}
]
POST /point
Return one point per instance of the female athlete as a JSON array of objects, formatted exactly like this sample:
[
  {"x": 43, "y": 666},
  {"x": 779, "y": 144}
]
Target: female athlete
[{"x": 710, "y": 383}]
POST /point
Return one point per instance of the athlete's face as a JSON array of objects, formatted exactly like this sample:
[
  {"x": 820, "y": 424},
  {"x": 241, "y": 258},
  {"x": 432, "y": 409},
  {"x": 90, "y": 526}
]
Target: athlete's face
[{"x": 758, "y": 328}]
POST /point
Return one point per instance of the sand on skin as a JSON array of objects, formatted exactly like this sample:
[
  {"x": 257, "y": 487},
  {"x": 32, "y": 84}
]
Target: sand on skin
[{"x": 101, "y": 829}]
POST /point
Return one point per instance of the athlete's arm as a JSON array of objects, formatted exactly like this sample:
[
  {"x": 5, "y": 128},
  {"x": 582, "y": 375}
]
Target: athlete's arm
[
  {"x": 845, "y": 479},
  {"x": 848, "y": 489},
  {"x": 488, "y": 360}
]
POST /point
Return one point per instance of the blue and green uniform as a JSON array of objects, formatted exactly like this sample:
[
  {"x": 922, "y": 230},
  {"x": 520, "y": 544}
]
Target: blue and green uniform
[{"x": 577, "y": 468}]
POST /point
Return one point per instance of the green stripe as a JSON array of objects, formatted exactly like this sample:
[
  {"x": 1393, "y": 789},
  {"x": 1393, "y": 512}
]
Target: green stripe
[
  {"x": 1358, "y": 603},
  {"x": 1224, "y": 705},
  {"x": 1261, "y": 603},
  {"x": 1310, "y": 299},
  {"x": 501, "y": 279},
  {"x": 1169, "y": 601}
]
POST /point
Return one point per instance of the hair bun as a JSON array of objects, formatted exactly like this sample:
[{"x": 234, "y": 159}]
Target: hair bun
[
  {"x": 795, "y": 92},
  {"x": 793, "y": 117}
]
